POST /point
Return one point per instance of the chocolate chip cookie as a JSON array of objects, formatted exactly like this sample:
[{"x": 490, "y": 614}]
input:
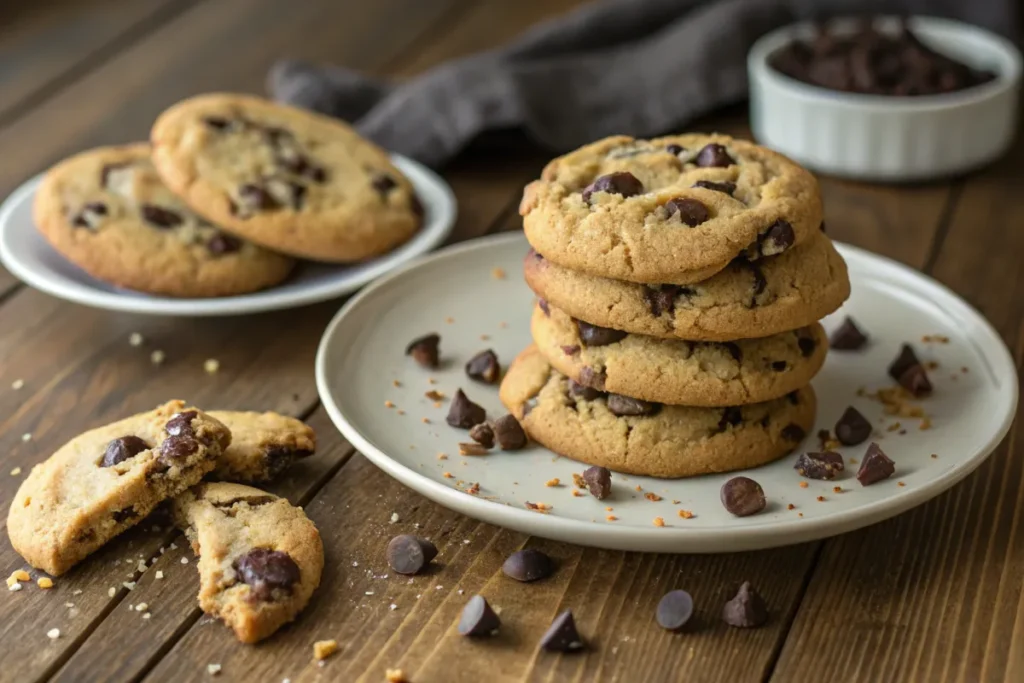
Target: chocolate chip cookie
[
  {"x": 263, "y": 445},
  {"x": 675, "y": 371},
  {"x": 107, "y": 211},
  {"x": 640, "y": 437},
  {"x": 108, "y": 479},
  {"x": 288, "y": 179},
  {"x": 747, "y": 299},
  {"x": 260, "y": 558},
  {"x": 673, "y": 210}
]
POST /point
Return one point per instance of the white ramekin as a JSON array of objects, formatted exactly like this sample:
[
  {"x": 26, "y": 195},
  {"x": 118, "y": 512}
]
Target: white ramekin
[{"x": 876, "y": 137}]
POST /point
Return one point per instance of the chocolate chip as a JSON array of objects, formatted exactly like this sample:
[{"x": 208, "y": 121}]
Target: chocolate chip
[
  {"x": 622, "y": 183},
  {"x": 297, "y": 195},
  {"x": 124, "y": 514},
  {"x": 278, "y": 458},
  {"x": 779, "y": 365},
  {"x": 726, "y": 187},
  {"x": 570, "y": 349},
  {"x": 544, "y": 306},
  {"x": 222, "y": 243},
  {"x": 733, "y": 415},
  {"x": 592, "y": 335},
  {"x": 478, "y": 619},
  {"x": 599, "y": 481},
  {"x": 176, "y": 448},
  {"x": 742, "y": 496},
  {"x": 592, "y": 378},
  {"x": 464, "y": 413},
  {"x": 482, "y": 434},
  {"x": 121, "y": 449},
  {"x": 180, "y": 424},
  {"x": 793, "y": 432},
  {"x": 583, "y": 391},
  {"x": 759, "y": 284},
  {"x": 90, "y": 214},
  {"x": 383, "y": 183},
  {"x": 847, "y": 336},
  {"x": 746, "y": 610},
  {"x": 776, "y": 239},
  {"x": 822, "y": 465},
  {"x": 562, "y": 635},
  {"x": 663, "y": 299},
  {"x": 623, "y": 406},
  {"x": 734, "y": 351},
  {"x": 216, "y": 122},
  {"x": 265, "y": 571},
  {"x": 875, "y": 466},
  {"x": 807, "y": 345},
  {"x": 794, "y": 397},
  {"x": 714, "y": 154},
  {"x": 691, "y": 212},
  {"x": 910, "y": 373},
  {"x": 484, "y": 367},
  {"x": 508, "y": 433},
  {"x": 674, "y": 610},
  {"x": 410, "y": 554},
  {"x": 852, "y": 428},
  {"x": 425, "y": 350},
  {"x": 528, "y": 565},
  {"x": 675, "y": 149},
  {"x": 254, "y": 198},
  {"x": 160, "y": 217}
]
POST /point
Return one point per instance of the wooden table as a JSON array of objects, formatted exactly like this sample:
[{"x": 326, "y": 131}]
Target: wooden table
[{"x": 933, "y": 595}]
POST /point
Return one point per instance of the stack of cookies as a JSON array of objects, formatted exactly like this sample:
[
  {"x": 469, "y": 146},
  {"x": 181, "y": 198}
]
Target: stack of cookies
[
  {"x": 680, "y": 281},
  {"x": 229, "y": 193}
]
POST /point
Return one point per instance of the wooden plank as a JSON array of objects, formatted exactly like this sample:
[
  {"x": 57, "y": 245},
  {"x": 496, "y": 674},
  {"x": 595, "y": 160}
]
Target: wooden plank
[{"x": 936, "y": 594}]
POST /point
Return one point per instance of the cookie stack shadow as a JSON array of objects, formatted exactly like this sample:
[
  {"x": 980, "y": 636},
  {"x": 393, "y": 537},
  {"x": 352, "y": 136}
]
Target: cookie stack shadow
[{"x": 680, "y": 282}]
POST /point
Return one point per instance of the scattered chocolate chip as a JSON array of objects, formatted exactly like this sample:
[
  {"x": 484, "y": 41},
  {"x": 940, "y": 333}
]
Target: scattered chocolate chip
[
  {"x": 90, "y": 214},
  {"x": 623, "y": 406},
  {"x": 508, "y": 433},
  {"x": 265, "y": 571},
  {"x": 383, "y": 183},
  {"x": 180, "y": 424},
  {"x": 464, "y": 413},
  {"x": 847, "y": 337},
  {"x": 793, "y": 432},
  {"x": 222, "y": 243},
  {"x": 675, "y": 610},
  {"x": 424, "y": 350},
  {"x": 216, "y": 122},
  {"x": 675, "y": 149},
  {"x": 875, "y": 466},
  {"x": 599, "y": 481},
  {"x": 691, "y": 212},
  {"x": 562, "y": 636},
  {"x": 733, "y": 415},
  {"x": 124, "y": 514},
  {"x": 776, "y": 239},
  {"x": 482, "y": 434},
  {"x": 527, "y": 565},
  {"x": 910, "y": 373},
  {"x": 725, "y": 187},
  {"x": 622, "y": 183},
  {"x": 160, "y": 217},
  {"x": 570, "y": 349},
  {"x": 742, "y": 496},
  {"x": 714, "y": 154},
  {"x": 734, "y": 351},
  {"x": 478, "y": 619},
  {"x": 593, "y": 335},
  {"x": 583, "y": 391},
  {"x": 175, "y": 448},
  {"x": 807, "y": 345},
  {"x": 254, "y": 198},
  {"x": 592, "y": 378},
  {"x": 779, "y": 365},
  {"x": 746, "y": 610},
  {"x": 484, "y": 367},
  {"x": 852, "y": 428},
  {"x": 121, "y": 449},
  {"x": 544, "y": 307},
  {"x": 822, "y": 465},
  {"x": 410, "y": 554}
]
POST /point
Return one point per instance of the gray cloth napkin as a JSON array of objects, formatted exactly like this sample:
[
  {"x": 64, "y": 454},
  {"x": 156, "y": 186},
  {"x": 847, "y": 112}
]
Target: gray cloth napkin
[{"x": 640, "y": 67}]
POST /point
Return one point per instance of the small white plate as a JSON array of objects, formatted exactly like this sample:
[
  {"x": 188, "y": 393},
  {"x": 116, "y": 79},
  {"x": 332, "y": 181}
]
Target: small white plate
[
  {"x": 31, "y": 259},
  {"x": 361, "y": 364}
]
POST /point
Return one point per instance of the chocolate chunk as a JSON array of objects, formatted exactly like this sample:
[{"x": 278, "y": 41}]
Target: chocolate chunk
[
  {"x": 663, "y": 299},
  {"x": 592, "y": 378},
  {"x": 160, "y": 217},
  {"x": 180, "y": 424},
  {"x": 746, "y": 610},
  {"x": 910, "y": 373},
  {"x": 794, "y": 397},
  {"x": 599, "y": 481},
  {"x": 222, "y": 243},
  {"x": 734, "y": 351},
  {"x": 733, "y": 415},
  {"x": 691, "y": 212},
  {"x": 544, "y": 307},
  {"x": 822, "y": 465},
  {"x": 278, "y": 458},
  {"x": 383, "y": 183},
  {"x": 675, "y": 149},
  {"x": 265, "y": 570},
  {"x": 726, "y": 187},
  {"x": 124, "y": 514},
  {"x": 252, "y": 197},
  {"x": 478, "y": 619},
  {"x": 528, "y": 565},
  {"x": 622, "y": 183},
  {"x": 807, "y": 345},
  {"x": 121, "y": 449},
  {"x": 742, "y": 496},
  {"x": 852, "y": 428},
  {"x": 592, "y": 335},
  {"x": 410, "y": 554},
  {"x": 583, "y": 391},
  {"x": 175, "y": 448},
  {"x": 216, "y": 122},
  {"x": 847, "y": 337},
  {"x": 714, "y": 154},
  {"x": 776, "y": 239},
  {"x": 793, "y": 432},
  {"x": 464, "y": 413},
  {"x": 562, "y": 636},
  {"x": 570, "y": 349},
  {"x": 623, "y": 406},
  {"x": 674, "y": 610},
  {"x": 424, "y": 350},
  {"x": 508, "y": 433},
  {"x": 89, "y": 216},
  {"x": 482, "y": 434},
  {"x": 779, "y": 365},
  {"x": 875, "y": 466},
  {"x": 484, "y": 367}
]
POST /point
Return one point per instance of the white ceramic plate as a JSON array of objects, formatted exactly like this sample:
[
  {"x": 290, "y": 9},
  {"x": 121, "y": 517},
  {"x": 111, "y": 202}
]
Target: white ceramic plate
[
  {"x": 30, "y": 258},
  {"x": 455, "y": 294}
]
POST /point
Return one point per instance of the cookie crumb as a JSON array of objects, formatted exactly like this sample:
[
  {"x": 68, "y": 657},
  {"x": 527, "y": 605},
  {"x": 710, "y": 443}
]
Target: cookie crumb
[
  {"x": 401, "y": 412},
  {"x": 893, "y": 427},
  {"x": 498, "y": 273},
  {"x": 395, "y": 383},
  {"x": 111, "y": 592},
  {"x": 473, "y": 489},
  {"x": 53, "y": 633},
  {"x": 900, "y": 483},
  {"x": 820, "y": 499},
  {"x": 434, "y": 395},
  {"x": 485, "y": 337},
  {"x": 389, "y": 404},
  {"x": 184, "y": 560},
  {"x": 44, "y": 582},
  {"x": 16, "y": 471},
  {"x": 639, "y": 488},
  {"x": 442, "y": 456},
  {"x": 141, "y": 607},
  {"x": 395, "y": 676},
  {"x": 685, "y": 514},
  {"x": 553, "y": 482},
  {"x": 791, "y": 507},
  {"x": 611, "y": 518},
  {"x": 147, "y": 615},
  {"x": 394, "y": 517},
  {"x": 837, "y": 489},
  {"x": 466, "y": 448},
  {"x": 539, "y": 507},
  {"x": 449, "y": 320},
  {"x": 799, "y": 514},
  {"x": 425, "y": 420},
  {"x": 651, "y": 496},
  {"x": 803, "y": 484},
  {"x": 935, "y": 455},
  {"x": 18, "y": 575},
  {"x": 159, "y": 574},
  {"x": 130, "y": 585},
  {"x": 213, "y": 669},
  {"x": 17, "y": 384},
  {"x": 448, "y": 475},
  {"x": 322, "y": 649},
  {"x": 26, "y": 437},
  {"x": 658, "y": 521},
  {"x": 926, "y": 423},
  {"x": 576, "y": 493},
  {"x": 211, "y": 366},
  {"x": 503, "y": 324}
]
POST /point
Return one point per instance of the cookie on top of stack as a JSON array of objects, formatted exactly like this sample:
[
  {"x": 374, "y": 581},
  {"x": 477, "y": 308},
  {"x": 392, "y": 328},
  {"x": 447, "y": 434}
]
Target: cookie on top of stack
[
  {"x": 229, "y": 192},
  {"x": 680, "y": 282}
]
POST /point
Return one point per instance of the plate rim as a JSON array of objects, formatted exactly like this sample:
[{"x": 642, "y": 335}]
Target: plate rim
[
  {"x": 638, "y": 538},
  {"x": 266, "y": 300}
]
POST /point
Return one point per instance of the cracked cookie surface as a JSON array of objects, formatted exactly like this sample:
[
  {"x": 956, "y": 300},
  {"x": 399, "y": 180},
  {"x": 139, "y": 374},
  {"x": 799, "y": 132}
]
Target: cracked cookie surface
[
  {"x": 263, "y": 445},
  {"x": 637, "y": 437},
  {"x": 672, "y": 210}
]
